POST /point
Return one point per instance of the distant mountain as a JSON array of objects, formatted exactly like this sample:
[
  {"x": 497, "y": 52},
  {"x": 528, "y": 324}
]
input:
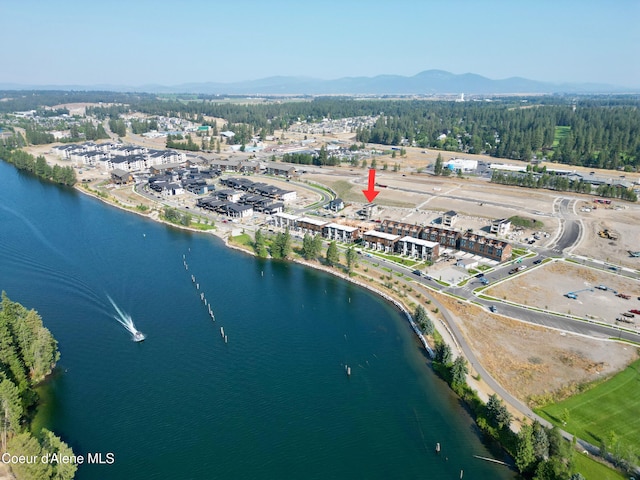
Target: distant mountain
[{"x": 429, "y": 82}]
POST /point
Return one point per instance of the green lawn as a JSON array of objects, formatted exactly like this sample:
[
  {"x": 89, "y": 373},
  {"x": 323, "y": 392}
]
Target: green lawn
[
  {"x": 592, "y": 470},
  {"x": 242, "y": 240},
  {"x": 613, "y": 405},
  {"x": 560, "y": 133}
]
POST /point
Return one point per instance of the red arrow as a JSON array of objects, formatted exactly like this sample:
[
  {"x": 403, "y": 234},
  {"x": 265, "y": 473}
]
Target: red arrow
[{"x": 370, "y": 193}]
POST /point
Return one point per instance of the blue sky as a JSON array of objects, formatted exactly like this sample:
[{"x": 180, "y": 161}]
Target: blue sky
[{"x": 169, "y": 43}]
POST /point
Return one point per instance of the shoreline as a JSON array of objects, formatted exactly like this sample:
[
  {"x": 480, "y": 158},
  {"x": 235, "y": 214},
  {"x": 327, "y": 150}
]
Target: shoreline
[{"x": 219, "y": 234}]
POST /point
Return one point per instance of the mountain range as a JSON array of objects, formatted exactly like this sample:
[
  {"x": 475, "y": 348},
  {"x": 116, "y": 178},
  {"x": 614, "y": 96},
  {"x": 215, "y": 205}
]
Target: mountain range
[{"x": 428, "y": 82}]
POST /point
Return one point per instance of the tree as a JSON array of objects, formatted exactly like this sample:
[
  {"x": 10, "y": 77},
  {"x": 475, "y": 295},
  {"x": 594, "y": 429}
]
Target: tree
[
  {"x": 309, "y": 251},
  {"x": 437, "y": 169},
  {"x": 333, "y": 257},
  {"x": 52, "y": 444},
  {"x": 443, "y": 353},
  {"x": 497, "y": 412},
  {"x": 540, "y": 441},
  {"x": 11, "y": 410},
  {"x": 281, "y": 247},
  {"x": 25, "y": 444},
  {"x": 525, "y": 455},
  {"x": 351, "y": 258},
  {"x": 459, "y": 372},
  {"x": 259, "y": 244},
  {"x": 422, "y": 319},
  {"x": 317, "y": 245},
  {"x": 322, "y": 156}
]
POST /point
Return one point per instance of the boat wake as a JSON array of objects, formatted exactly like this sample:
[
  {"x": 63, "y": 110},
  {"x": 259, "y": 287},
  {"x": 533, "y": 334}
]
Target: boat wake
[{"x": 126, "y": 321}]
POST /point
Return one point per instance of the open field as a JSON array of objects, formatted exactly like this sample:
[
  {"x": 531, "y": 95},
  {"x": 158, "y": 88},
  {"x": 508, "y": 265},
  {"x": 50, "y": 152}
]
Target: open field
[
  {"x": 623, "y": 219},
  {"x": 611, "y": 406},
  {"x": 593, "y": 470},
  {"x": 545, "y": 287},
  {"x": 529, "y": 360},
  {"x": 559, "y": 134}
]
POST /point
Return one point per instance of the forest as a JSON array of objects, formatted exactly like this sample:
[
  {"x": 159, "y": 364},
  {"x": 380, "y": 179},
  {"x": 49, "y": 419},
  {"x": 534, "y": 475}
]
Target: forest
[
  {"x": 28, "y": 353},
  {"x": 597, "y": 131}
]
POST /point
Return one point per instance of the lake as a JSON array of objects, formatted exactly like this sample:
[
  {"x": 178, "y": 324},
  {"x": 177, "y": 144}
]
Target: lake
[{"x": 272, "y": 402}]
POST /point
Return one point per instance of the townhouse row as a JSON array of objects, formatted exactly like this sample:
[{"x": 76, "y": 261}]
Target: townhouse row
[{"x": 396, "y": 237}]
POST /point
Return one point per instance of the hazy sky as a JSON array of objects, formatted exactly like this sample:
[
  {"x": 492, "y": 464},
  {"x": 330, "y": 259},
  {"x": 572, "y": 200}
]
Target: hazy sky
[{"x": 137, "y": 42}]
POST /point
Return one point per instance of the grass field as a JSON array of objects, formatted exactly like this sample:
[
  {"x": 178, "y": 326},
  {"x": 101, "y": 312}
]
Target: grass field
[
  {"x": 613, "y": 405},
  {"x": 592, "y": 470},
  {"x": 560, "y": 133}
]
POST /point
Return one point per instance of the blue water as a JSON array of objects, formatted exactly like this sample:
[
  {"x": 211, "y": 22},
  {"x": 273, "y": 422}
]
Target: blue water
[{"x": 273, "y": 402}]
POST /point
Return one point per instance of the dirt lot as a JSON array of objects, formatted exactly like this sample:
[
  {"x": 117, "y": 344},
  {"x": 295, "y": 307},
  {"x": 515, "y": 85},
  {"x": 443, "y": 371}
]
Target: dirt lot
[
  {"x": 621, "y": 218},
  {"x": 530, "y": 361},
  {"x": 546, "y": 286}
]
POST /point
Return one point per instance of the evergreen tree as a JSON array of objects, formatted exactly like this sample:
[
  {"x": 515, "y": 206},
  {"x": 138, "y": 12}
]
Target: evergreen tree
[
  {"x": 422, "y": 319},
  {"x": 443, "y": 353},
  {"x": 438, "y": 167},
  {"x": 259, "y": 244},
  {"x": 307, "y": 247},
  {"x": 25, "y": 444},
  {"x": 459, "y": 372},
  {"x": 52, "y": 444},
  {"x": 497, "y": 412},
  {"x": 333, "y": 257},
  {"x": 351, "y": 258},
  {"x": 316, "y": 243},
  {"x": 540, "y": 441},
  {"x": 525, "y": 455}
]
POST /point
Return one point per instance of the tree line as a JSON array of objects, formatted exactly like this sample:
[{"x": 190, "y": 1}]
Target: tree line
[
  {"x": 561, "y": 183},
  {"x": 320, "y": 158},
  {"x": 28, "y": 353},
  {"x": 540, "y": 453},
  {"x": 599, "y": 131},
  {"x": 39, "y": 167},
  {"x": 280, "y": 247}
]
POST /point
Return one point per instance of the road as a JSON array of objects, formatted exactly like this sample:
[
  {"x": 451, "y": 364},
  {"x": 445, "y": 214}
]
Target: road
[{"x": 570, "y": 226}]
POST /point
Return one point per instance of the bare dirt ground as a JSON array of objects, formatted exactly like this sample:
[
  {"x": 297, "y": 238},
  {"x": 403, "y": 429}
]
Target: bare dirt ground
[
  {"x": 621, "y": 218},
  {"x": 545, "y": 286},
  {"x": 531, "y": 361}
]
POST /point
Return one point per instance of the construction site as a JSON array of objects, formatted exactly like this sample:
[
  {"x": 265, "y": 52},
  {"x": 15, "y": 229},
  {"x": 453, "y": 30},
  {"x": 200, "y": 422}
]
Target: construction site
[{"x": 569, "y": 288}]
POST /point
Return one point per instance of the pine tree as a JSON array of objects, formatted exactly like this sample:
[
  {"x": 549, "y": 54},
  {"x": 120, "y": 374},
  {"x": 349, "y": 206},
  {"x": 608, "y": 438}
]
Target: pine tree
[
  {"x": 437, "y": 169},
  {"x": 351, "y": 258},
  {"x": 333, "y": 257},
  {"x": 525, "y": 455}
]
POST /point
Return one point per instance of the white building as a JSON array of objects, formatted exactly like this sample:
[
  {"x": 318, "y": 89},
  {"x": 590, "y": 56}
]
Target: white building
[
  {"x": 507, "y": 168},
  {"x": 500, "y": 226},
  {"x": 285, "y": 220},
  {"x": 416, "y": 247},
  {"x": 461, "y": 164},
  {"x": 341, "y": 233}
]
